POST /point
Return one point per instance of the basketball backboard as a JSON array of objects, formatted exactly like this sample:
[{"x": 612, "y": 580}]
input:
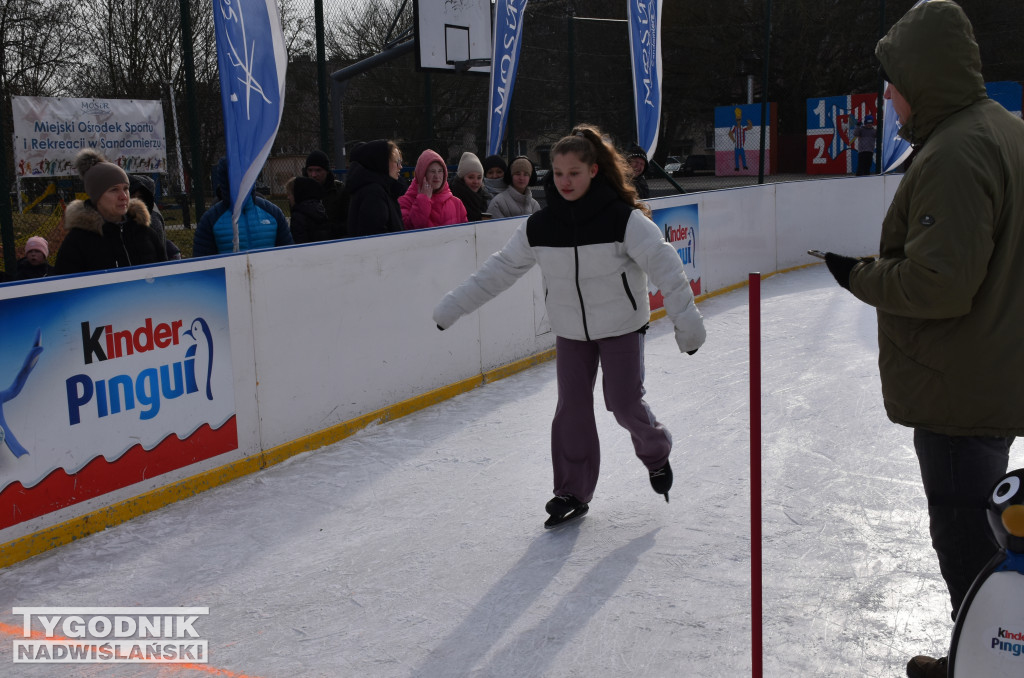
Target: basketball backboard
[{"x": 453, "y": 35}]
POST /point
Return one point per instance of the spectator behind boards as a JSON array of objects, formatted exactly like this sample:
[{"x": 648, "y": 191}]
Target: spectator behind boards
[
  {"x": 374, "y": 187},
  {"x": 637, "y": 159},
  {"x": 946, "y": 287},
  {"x": 468, "y": 186},
  {"x": 516, "y": 200},
  {"x": 110, "y": 229},
  {"x": 141, "y": 186},
  {"x": 864, "y": 139},
  {"x": 494, "y": 174},
  {"x": 261, "y": 223},
  {"x": 429, "y": 202},
  {"x": 335, "y": 197},
  {"x": 309, "y": 220},
  {"x": 34, "y": 264}
]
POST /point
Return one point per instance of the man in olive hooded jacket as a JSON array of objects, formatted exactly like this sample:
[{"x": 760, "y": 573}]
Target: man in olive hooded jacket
[{"x": 947, "y": 284}]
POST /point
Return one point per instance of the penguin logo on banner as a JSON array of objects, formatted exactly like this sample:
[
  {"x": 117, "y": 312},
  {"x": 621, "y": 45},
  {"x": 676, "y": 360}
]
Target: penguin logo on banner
[
  {"x": 202, "y": 352},
  {"x": 988, "y": 639}
]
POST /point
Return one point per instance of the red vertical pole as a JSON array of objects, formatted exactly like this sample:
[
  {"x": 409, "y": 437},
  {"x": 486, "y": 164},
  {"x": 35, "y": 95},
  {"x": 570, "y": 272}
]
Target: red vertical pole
[{"x": 756, "y": 645}]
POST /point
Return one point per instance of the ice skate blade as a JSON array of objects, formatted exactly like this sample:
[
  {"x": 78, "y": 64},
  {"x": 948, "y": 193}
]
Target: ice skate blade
[{"x": 555, "y": 521}]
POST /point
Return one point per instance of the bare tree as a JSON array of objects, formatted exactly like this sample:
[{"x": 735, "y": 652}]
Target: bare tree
[{"x": 38, "y": 48}]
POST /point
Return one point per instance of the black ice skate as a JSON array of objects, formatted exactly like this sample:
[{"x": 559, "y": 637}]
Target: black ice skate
[
  {"x": 564, "y": 509},
  {"x": 661, "y": 480}
]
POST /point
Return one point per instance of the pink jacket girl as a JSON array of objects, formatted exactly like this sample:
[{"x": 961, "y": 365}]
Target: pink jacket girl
[{"x": 429, "y": 201}]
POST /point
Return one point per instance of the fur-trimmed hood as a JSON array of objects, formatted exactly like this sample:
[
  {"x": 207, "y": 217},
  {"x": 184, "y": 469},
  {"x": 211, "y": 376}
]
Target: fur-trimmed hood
[{"x": 83, "y": 215}]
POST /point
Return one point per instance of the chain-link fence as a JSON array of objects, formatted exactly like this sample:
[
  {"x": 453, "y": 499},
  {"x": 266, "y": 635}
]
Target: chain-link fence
[{"x": 574, "y": 67}]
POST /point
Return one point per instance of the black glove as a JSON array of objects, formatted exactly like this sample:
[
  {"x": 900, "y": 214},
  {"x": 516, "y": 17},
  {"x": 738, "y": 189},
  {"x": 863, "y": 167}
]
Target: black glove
[{"x": 840, "y": 267}]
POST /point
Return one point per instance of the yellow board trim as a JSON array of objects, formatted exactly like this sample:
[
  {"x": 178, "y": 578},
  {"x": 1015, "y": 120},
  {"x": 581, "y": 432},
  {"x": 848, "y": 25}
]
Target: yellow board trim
[{"x": 51, "y": 537}]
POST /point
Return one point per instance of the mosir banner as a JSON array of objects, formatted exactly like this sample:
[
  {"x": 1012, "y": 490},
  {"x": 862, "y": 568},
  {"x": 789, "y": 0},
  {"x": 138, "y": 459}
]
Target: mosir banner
[{"x": 50, "y": 131}]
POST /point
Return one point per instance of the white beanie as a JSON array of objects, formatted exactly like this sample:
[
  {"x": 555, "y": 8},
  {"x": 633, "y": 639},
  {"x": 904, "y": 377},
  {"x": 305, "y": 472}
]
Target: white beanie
[{"x": 469, "y": 163}]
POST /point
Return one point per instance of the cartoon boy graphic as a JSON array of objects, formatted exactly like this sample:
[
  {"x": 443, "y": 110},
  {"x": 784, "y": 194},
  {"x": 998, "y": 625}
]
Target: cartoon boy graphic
[{"x": 738, "y": 134}]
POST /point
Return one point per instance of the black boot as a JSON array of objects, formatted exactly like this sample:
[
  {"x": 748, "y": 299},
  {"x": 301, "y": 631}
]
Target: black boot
[
  {"x": 564, "y": 508},
  {"x": 923, "y": 666},
  {"x": 661, "y": 480}
]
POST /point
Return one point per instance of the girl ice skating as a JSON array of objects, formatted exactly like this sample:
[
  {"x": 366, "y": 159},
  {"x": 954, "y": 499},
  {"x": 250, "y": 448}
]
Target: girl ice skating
[{"x": 596, "y": 245}]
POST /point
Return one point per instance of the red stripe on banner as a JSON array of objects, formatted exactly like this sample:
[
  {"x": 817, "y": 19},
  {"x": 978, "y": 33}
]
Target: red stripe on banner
[
  {"x": 756, "y": 645},
  {"x": 60, "y": 489}
]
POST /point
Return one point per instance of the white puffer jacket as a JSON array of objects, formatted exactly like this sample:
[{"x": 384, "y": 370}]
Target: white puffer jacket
[{"x": 595, "y": 255}]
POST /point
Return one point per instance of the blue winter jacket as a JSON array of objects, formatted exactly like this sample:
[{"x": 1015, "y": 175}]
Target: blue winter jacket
[{"x": 261, "y": 223}]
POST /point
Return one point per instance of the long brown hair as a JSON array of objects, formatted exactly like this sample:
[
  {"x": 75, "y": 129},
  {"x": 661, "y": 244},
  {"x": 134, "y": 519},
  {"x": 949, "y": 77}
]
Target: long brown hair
[{"x": 589, "y": 144}]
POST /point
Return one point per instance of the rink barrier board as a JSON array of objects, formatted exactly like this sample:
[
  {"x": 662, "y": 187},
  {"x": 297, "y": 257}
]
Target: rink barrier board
[
  {"x": 742, "y": 230},
  {"x": 99, "y": 520},
  {"x": 96, "y": 521}
]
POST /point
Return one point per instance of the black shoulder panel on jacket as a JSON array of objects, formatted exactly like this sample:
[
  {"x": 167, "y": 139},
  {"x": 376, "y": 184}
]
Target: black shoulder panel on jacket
[{"x": 598, "y": 217}]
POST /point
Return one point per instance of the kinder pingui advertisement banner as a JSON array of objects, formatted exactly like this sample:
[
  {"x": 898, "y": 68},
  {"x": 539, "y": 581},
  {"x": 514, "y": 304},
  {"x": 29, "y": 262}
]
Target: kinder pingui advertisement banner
[
  {"x": 680, "y": 225},
  {"x": 104, "y": 387}
]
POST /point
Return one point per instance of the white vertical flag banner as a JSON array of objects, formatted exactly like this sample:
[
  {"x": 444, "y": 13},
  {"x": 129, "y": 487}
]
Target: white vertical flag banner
[
  {"x": 508, "y": 34},
  {"x": 252, "y": 61},
  {"x": 645, "y": 53}
]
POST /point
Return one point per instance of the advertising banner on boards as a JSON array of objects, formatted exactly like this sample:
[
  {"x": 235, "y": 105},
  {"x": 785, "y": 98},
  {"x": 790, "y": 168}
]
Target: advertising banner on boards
[
  {"x": 103, "y": 387},
  {"x": 681, "y": 226},
  {"x": 50, "y": 131}
]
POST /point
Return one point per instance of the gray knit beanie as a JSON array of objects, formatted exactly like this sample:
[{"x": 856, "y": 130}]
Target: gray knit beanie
[
  {"x": 98, "y": 174},
  {"x": 469, "y": 163}
]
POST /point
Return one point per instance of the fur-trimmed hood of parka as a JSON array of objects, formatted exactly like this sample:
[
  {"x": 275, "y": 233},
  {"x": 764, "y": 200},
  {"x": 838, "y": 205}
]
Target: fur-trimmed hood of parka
[
  {"x": 83, "y": 215},
  {"x": 932, "y": 58}
]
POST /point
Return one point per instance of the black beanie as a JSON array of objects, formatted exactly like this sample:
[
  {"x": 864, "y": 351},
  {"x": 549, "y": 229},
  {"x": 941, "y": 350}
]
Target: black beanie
[
  {"x": 495, "y": 161},
  {"x": 318, "y": 159},
  {"x": 305, "y": 188},
  {"x": 373, "y": 155}
]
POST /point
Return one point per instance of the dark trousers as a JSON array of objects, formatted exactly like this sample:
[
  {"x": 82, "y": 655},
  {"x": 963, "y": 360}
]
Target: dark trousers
[
  {"x": 575, "y": 448},
  {"x": 864, "y": 159},
  {"x": 959, "y": 474}
]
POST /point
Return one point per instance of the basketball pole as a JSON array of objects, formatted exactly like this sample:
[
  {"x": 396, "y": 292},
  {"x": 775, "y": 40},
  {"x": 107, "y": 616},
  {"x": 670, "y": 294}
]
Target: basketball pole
[{"x": 756, "y": 593}]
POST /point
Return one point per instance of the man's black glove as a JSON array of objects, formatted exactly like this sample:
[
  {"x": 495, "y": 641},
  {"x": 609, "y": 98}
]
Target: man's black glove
[{"x": 840, "y": 267}]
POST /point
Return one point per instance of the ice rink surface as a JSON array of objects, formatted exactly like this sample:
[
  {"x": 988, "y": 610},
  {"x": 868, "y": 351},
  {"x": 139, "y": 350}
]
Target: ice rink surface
[{"x": 416, "y": 548}]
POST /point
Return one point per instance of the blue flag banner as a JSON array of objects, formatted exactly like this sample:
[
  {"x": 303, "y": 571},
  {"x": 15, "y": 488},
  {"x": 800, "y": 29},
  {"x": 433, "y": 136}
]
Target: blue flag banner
[
  {"x": 508, "y": 33},
  {"x": 1008, "y": 94},
  {"x": 895, "y": 149},
  {"x": 252, "y": 61},
  {"x": 645, "y": 52}
]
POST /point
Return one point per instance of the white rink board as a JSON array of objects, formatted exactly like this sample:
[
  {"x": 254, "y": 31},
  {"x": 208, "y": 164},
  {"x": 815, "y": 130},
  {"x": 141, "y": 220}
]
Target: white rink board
[{"x": 322, "y": 334}]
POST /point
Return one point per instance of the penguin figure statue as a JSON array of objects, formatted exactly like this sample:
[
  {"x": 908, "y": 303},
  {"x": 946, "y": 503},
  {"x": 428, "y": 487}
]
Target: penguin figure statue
[{"x": 988, "y": 639}]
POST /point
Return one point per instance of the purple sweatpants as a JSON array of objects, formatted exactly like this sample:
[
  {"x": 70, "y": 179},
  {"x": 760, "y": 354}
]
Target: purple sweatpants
[{"x": 575, "y": 449}]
